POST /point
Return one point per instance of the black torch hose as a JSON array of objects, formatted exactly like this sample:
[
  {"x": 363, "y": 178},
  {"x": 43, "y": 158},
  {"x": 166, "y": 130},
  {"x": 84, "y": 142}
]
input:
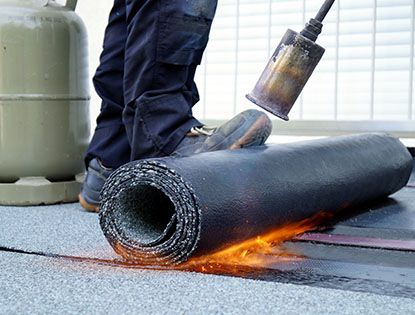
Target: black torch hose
[{"x": 324, "y": 10}]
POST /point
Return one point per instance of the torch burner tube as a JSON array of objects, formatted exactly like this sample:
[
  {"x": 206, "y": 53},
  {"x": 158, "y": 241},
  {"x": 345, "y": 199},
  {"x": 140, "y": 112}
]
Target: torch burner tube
[
  {"x": 286, "y": 74},
  {"x": 290, "y": 67}
]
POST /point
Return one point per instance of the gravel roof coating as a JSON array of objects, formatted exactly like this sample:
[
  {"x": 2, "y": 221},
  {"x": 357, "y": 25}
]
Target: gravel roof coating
[
  {"x": 36, "y": 285},
  {"x": 60, "y": 229}
]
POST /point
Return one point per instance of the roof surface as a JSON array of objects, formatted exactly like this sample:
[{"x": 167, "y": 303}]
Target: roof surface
[{"x": 364, "y": 264}]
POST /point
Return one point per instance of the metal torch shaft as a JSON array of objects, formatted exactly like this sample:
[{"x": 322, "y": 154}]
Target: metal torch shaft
[{"x": 324, "y": 10}]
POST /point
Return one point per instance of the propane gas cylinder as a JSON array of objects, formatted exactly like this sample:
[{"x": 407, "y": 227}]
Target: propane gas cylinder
[{"x": 44, "y": 101}]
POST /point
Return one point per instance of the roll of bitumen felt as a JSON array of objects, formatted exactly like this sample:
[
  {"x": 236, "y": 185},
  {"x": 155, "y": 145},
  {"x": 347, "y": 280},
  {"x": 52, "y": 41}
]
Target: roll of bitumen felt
[{"x": 164, "y": 210}]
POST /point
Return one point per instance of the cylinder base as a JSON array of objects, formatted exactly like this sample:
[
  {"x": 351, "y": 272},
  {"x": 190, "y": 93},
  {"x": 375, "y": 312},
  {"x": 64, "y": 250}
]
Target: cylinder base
[{"x": 33, "y": 191}]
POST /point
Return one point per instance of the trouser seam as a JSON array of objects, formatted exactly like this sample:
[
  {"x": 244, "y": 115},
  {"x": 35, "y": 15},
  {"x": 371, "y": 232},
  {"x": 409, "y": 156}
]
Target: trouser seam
[{"x": 143, "y": 113}]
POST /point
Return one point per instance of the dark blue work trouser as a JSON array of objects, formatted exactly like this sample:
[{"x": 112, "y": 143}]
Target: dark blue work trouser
[{"x": 145, "y": 77}]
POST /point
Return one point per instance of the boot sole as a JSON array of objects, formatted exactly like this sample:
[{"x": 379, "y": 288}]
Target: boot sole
[
  {"x": 87, "y": 206},
  {"x": 261, "y": 129}
]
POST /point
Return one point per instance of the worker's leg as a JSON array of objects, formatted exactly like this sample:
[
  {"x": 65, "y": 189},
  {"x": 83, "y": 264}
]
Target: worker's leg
[
  {"x": 165, "y": 43},
  {"x": 151, "y": 50},
  {"x": 110, "y": 143}
]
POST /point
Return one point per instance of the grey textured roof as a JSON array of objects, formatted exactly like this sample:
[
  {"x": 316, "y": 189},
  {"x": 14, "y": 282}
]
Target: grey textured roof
[
  {"x": 39, "y": 285},
  {"x": 370, "y": 281}
]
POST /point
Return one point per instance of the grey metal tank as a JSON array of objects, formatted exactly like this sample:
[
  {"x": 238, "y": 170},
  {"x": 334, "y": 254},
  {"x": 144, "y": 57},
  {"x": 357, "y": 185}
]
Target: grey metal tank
[{"x": 44, "y": 101}]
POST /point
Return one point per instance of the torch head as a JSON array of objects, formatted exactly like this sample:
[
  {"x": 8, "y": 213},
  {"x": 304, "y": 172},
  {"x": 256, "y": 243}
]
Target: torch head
[{"x": 286, "y": 74}]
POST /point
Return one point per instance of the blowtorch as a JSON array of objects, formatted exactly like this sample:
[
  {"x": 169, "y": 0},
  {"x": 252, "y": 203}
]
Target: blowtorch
[{"x": 290, "y": 67}]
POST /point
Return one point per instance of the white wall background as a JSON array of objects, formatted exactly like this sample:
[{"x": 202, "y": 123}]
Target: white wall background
[{"x": 366, "y": 74}]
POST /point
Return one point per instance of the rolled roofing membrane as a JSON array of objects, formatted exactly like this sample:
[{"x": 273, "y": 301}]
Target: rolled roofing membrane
[{"x": 165, "y": 210}]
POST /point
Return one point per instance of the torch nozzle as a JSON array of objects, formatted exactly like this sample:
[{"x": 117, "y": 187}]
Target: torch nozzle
[{"x": 290, "y": 67}]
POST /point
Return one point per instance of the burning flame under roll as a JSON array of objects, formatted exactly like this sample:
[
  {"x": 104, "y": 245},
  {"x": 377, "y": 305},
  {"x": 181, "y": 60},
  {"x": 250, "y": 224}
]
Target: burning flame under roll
[
  {"x": 261, "y": 251},
  {"x": 257, "y": 251}
]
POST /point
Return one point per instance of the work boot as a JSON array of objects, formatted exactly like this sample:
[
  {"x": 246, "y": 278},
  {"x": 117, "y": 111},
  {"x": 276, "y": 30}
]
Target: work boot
[
  {"x": 247, "y": 129},
  {"x": 95, "y": 178}
]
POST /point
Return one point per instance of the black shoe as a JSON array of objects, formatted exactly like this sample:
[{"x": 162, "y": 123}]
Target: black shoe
[{"x": 94, "y": 181}]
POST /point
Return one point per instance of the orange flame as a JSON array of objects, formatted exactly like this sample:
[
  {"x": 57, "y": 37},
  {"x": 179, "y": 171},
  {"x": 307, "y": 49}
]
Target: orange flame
[
  {"x": 257, "y": 251},
  {"x": 261, "y": 251}
]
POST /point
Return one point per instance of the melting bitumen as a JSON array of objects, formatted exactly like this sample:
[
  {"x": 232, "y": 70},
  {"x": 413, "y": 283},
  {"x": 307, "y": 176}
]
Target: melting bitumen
[
  {"x": 52, "y": 232},
  {"x": 39, "y": 285},
  {"x": 72, "y": 237},
  {"x": 387, "y": 281}
]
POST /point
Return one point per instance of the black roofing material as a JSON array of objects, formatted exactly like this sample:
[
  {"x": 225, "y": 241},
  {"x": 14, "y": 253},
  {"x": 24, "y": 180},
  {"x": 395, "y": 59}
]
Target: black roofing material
[{"x": 164, "y": 210}]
